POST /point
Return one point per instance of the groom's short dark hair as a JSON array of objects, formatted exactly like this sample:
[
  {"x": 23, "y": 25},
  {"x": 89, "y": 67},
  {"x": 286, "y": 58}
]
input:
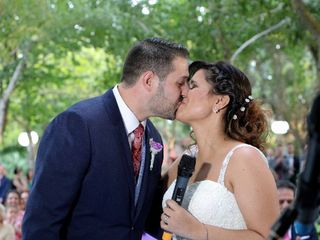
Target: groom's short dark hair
[{"x": 151, "y": 54}]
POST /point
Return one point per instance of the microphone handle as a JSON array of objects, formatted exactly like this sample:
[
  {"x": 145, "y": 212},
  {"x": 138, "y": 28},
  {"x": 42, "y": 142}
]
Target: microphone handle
[
  {"x": 180, "y": 189},
  {"x": 166, "y": 236},
  {"x": 178, "y": 194}
]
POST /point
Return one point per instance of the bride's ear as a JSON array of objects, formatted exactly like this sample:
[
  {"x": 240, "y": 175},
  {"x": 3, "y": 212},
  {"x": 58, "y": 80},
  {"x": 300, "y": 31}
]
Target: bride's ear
[
  {"x": 220, "y": 103},
  {"x": 224, "y": 101}
]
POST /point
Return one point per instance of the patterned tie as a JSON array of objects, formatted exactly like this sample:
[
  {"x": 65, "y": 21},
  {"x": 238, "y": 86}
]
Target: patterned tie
[{"x": 136, "y": 148}]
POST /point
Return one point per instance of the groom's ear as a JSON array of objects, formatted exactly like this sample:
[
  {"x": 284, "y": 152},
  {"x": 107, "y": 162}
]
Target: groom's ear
[{"x": 149, "y": 80}]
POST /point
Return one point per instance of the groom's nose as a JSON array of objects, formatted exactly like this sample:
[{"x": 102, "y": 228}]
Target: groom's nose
[{"x": 184, "y": 90}]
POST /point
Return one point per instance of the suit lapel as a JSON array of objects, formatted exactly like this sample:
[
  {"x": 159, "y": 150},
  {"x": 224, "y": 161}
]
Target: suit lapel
[{"x": 120, "y": 135}]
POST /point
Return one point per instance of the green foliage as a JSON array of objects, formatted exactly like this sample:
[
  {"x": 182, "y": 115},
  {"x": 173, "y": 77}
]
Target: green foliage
[
  {"x": 75, "y": 49},
  {"x": 11, "y": 158}
]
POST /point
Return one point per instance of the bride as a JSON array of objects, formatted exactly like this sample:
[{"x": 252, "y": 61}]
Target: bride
[{"x": 232, "y": 193}]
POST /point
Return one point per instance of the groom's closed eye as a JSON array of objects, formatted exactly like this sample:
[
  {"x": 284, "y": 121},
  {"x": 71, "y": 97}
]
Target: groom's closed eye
[{"x": 181, "y": 83}]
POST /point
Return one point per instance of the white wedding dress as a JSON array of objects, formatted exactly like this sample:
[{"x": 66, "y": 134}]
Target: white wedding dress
[{"x": 211, "y": 202}]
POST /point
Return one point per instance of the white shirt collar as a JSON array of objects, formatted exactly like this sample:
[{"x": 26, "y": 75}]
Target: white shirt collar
[{"x": 129, "y": 119}]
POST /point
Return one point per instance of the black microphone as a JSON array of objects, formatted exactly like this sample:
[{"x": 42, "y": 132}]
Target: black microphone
[
  {"x": 308, "y": 191},
  {"x": 185, "y": 170}
]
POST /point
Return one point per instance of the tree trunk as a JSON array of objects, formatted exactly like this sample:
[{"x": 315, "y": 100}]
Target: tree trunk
[
  {"x": 306, "y": 17},
  {"x": 4, "y": 100},
  {"x": 31, "y": 149},
  {"x": 314, "y": 27}
]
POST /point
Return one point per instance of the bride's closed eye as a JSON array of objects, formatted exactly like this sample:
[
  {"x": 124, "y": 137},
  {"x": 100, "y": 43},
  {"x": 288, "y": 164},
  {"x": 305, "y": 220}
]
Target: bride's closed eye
[{"x": 192, "y": 84}]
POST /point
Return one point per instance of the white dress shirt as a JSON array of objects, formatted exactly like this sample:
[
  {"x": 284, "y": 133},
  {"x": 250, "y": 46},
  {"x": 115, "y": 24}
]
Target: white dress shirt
[
  {"x": 129, "y": 119},
  {"x": 131, "y": 123}
]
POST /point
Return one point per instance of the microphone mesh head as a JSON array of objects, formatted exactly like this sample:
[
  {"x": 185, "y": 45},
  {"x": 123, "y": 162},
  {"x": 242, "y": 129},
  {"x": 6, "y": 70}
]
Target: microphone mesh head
[{"x": 186, "y": 166}]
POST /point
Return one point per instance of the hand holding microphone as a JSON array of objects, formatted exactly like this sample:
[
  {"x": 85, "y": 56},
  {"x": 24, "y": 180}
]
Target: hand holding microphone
[{"x": 185, "y": 170}]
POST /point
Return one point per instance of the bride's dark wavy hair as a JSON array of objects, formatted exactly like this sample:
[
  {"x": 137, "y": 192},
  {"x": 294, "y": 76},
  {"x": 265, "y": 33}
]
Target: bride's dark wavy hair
[{"x": 251, "y": 124}]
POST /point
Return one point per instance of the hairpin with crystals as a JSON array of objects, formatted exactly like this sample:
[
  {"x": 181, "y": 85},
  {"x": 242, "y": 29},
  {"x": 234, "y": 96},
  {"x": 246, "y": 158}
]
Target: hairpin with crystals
[{"x": 243, "y": 108}]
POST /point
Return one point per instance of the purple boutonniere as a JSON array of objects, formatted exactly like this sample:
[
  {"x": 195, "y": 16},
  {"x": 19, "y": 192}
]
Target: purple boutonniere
[{"x": 155, "y": 148}]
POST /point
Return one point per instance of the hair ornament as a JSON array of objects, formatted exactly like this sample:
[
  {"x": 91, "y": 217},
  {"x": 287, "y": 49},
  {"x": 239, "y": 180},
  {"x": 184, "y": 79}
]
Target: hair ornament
[{"x": 247, "y": 100}]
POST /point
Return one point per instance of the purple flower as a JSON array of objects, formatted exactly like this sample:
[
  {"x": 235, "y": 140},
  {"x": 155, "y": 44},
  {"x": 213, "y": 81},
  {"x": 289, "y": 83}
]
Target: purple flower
[{"x": 155, "y": 148}]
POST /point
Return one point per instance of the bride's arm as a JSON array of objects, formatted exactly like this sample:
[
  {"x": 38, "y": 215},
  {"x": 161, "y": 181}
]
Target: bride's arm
[
  {"x": 255, "y": 190},
  {"x": 253, "y": 185}
]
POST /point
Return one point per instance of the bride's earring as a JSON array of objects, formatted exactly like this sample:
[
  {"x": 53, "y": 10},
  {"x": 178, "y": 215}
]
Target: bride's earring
[{"x": 215, "y": 110}]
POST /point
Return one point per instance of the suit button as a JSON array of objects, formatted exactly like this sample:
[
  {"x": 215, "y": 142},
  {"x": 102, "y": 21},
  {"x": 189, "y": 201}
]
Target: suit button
[{"x": 132, "y": 228}]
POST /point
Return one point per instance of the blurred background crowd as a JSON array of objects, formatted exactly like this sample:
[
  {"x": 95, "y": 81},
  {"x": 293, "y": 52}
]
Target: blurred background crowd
[{"x": 14, "y": 192}]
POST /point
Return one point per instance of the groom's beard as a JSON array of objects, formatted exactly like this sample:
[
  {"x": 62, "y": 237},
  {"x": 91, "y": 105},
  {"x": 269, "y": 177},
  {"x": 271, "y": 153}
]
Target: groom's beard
[{"x": 163, "y": 107}]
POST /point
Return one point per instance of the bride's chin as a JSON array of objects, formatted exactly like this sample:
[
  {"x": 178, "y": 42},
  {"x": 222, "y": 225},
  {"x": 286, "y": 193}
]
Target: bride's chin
[
  {"x": 181, "y": 115},
  {"x": 181, "y": 118}
]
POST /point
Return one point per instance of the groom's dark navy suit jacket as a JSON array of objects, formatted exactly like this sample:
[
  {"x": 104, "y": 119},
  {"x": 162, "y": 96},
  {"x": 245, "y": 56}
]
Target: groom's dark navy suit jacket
[{"x": 84, "y": 184}]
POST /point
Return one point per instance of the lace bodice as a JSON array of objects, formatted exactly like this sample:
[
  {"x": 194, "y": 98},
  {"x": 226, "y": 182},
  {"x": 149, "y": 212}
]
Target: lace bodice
[{"x": 211, "y": 202}]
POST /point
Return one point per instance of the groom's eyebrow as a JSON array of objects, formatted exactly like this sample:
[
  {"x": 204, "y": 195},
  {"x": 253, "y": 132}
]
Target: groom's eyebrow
[{"x": 185, "y": 78}]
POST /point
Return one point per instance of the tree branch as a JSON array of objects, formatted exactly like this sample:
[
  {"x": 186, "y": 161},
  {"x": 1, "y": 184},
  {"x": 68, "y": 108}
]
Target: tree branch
[
  {"x": 311, "y": 22},
  {"x": 14, "y": 79},
  {"x": 4, "y": 100},
  {"x": 257, "y": 36}
]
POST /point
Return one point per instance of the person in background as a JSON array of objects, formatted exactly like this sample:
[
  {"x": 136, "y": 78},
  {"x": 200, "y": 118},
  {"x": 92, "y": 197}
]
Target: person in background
[
  {"x": 293, "y": 162},
  {"x": 6, "y": 229},
  {"x": 286, "y": 194},
  {"x": 14, "y": 213},
  {"x": 232, "y": 193},
  {"x": 24, "y": 199},
  {"x": 99, "y": 162},
  {"x": 5, "y": 184},
  {"x": 19, "y": 181},
  {"x": 30, "y": 177},
  {"x": 12, "y": 218},
  {"x": 279, "y": 164},
  {"x": 269, "y": 153},
  {"x": 13, "y": 198}
]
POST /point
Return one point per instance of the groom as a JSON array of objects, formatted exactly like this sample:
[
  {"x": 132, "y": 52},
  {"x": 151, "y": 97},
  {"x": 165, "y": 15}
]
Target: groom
[{"x": 96, "y": 175}]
